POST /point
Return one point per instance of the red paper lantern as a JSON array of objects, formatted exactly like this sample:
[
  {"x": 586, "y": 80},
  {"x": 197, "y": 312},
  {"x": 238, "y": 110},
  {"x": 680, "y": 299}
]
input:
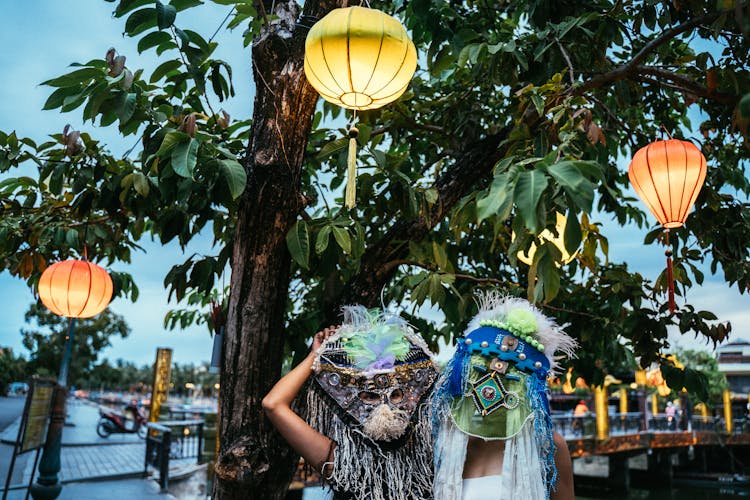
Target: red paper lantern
[
  {"x": 75, "y": 288},
  {"x": 667, "y": 175}
]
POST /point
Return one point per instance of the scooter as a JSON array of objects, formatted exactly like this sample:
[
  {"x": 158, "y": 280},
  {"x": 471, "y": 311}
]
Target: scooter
[{"x": 113, "y": 423}]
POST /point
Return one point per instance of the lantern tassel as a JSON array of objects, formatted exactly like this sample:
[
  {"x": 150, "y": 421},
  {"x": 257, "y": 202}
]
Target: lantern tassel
[
  {"x": 670, "y": 281},
  {"x": 351, "y": 181}
]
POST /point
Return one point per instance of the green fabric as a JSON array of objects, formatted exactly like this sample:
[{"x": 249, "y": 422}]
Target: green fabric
[{"x": 503, "y": 423}]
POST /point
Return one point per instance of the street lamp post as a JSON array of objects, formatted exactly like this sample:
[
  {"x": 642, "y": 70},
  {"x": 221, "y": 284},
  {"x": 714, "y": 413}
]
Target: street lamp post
[
  {"x": 48, "y": 485},
  {"x": 74, "y": 289}
]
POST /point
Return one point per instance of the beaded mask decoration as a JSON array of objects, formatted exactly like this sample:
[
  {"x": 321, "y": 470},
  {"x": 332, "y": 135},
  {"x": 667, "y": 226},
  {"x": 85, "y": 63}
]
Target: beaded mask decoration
[
  {"x": 494, "y": 386},
  {"x": 370, "y": 396},
  {"x": 378, "y": 364}
]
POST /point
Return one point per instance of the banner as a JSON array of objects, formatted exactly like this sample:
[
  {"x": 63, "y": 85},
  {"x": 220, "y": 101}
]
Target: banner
[{"x": 162, "y": 375}]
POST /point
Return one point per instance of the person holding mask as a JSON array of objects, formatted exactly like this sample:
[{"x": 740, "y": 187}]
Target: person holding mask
[
  {"x": 368, "y": 423},
  {"x": 494, "y": 433}
]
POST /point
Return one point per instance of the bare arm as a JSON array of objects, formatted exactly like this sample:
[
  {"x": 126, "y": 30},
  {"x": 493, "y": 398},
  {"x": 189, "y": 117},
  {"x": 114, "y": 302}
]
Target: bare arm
[
  {"x": 564, "y": 471},
  {"x": 312, "y": 445}
]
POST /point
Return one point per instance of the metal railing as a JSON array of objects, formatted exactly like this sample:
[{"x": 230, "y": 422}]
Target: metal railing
[
  {"x": 624, "y": 423},
  {"x": 172, "y": 440},
  {"x": 575, "y": 426}
]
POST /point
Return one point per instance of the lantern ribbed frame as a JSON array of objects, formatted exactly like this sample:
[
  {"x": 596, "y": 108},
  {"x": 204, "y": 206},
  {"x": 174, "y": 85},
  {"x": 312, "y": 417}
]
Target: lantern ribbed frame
[
  {"x": 75, "y": 288},
  {"x": 668, "y": 175},
  {"x": 359, "y": 58}
]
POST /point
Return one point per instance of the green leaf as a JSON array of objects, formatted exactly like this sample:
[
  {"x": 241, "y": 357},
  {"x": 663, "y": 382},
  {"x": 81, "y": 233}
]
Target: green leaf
[
  {"x": 235, "y": 175},
  {"x": 332, "y": 147},
  {"x": 580, "y": 189},
  {"x": 529, "y": 188},
  {"x": 184, "y": 157},
  {"x": 79, "y": 76},
  {"x": 321, "y": 242},
  {"x": 127, "y": 108},
  {"x": 125, "y": 6},
  {"x": 499, "y": 200},
  {"x": 169, "y": 141},
  {"x": 56, "y": 98},
  {"x": 165, "y": 15},
  {"x": 440, "y": 256},
  {"x": 152, "y": 40},
  {"x": 141, "y": 185},
  {"x": 538, "y": 104},
  {"x": 298, "y": 243},
  {"x": 343, "y": 239},
  {"x": 163, "y": 69},
  {"x": 140, "y": 20},
  {"x": 572, "y": 235},
  {"x": 673, "y": 376}
]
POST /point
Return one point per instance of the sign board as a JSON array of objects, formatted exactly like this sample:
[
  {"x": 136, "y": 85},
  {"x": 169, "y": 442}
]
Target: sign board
[
  {"x": 32, "y": 432},
  {"x": 162, "y": 375},
  {"x": 36, "y": 415}
]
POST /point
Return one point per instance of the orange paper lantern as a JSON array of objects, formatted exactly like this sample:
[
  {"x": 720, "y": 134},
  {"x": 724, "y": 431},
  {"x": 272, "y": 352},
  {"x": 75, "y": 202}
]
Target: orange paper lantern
[
  {"x": 667, "y": 175},
  {"x": 75, "y": 288}
]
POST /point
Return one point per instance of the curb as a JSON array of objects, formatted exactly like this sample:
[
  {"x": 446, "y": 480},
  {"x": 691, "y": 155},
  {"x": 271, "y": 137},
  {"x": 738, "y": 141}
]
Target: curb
[{"x": 92, "y": 479}]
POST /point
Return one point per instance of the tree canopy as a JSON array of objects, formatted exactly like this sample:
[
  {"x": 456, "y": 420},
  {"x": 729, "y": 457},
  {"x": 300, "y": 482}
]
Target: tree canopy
[{"x": 518, "y": 110}]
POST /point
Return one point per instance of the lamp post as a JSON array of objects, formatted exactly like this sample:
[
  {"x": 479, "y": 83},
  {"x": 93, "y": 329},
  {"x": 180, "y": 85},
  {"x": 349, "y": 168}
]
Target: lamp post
[{"x": 76, "y": 289}]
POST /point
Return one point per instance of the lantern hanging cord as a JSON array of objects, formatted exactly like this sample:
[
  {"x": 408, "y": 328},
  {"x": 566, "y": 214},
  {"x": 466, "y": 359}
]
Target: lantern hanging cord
[
  {"x": 85, "y": 236},
  {"x": 670, "y": 276},
  {"x": 665, "y": 130}
]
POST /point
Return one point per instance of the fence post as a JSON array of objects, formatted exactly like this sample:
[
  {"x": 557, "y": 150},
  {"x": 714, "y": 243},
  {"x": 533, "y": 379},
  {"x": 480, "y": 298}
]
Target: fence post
[
  {"x": 200, "y": 442},
  {"x": 166, "y": 445},
  {"x": 148, "y": 453}
]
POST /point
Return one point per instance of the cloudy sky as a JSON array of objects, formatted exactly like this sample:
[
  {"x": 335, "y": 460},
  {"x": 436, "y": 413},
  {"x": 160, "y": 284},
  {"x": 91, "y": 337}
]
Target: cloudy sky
[{"x": 41, "y": 38}]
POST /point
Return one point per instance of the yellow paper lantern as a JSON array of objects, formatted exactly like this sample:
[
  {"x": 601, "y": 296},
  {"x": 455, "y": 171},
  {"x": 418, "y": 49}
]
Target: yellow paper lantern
[
  {"x": 359, "y": 58},
  {"x": 75, "y": 288},
  {"x": 558, "y": 241}
]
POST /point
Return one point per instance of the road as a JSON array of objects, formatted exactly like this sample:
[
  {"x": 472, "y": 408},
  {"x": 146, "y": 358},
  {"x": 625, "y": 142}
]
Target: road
[{"x": 10, "y": 410}]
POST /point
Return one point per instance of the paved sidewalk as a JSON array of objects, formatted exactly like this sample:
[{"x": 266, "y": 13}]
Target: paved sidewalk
[
  {"x": 85, "y": 416},
  {"x": 97, "y": 462},
  {"x": 106, "y": 490}
]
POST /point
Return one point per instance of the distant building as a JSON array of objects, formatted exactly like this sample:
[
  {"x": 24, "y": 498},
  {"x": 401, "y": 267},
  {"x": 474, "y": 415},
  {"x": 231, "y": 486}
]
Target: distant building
[{"x": 734, "y": 362}]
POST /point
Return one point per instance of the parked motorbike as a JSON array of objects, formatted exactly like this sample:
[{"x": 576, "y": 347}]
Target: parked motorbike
[{"x": 114, "y": 423}]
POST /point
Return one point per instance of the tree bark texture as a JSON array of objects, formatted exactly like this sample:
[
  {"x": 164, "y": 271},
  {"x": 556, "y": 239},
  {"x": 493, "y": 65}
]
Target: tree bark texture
[{"x": 253, "y": 461}]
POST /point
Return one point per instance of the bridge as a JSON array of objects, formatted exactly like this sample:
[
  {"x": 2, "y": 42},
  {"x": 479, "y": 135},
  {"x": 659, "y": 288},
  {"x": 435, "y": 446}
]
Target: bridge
[{"x": 705, "y": 448}]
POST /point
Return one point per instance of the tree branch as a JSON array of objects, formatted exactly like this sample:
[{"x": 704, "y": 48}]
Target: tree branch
[
  {"x": 625, "y": 70},
  {"x": 682, "y": 82}
]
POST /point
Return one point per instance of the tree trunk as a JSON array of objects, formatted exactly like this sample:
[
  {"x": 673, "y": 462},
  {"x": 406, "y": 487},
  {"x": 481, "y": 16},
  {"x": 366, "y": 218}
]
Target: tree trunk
[{"x": 254, "y": 462}]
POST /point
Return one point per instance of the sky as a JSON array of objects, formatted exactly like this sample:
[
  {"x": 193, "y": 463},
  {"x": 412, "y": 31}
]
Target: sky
[{"x": 46, "y": 37}]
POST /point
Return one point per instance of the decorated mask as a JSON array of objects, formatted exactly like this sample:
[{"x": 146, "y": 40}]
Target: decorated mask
[
  {"x": 495, "y": 387},
  {"x": 369, "y": 395}
]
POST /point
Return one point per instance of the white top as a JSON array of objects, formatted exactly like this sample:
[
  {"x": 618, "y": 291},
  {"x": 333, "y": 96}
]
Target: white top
[{"x": 481, "y": 488}]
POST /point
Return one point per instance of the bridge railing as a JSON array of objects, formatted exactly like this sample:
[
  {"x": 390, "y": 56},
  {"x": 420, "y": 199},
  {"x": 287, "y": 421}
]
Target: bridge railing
[
  {"x": 624, "y": 423},
  {"x": 575, "y": 426}
]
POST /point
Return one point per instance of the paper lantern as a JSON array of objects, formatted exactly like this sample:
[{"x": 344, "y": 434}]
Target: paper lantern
[
  {"x": 360, "y": 59},
  {"x": 75, "y": 288},
  {"x": 668, "y": 175},
  {"x": 558, "y": 241}
]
